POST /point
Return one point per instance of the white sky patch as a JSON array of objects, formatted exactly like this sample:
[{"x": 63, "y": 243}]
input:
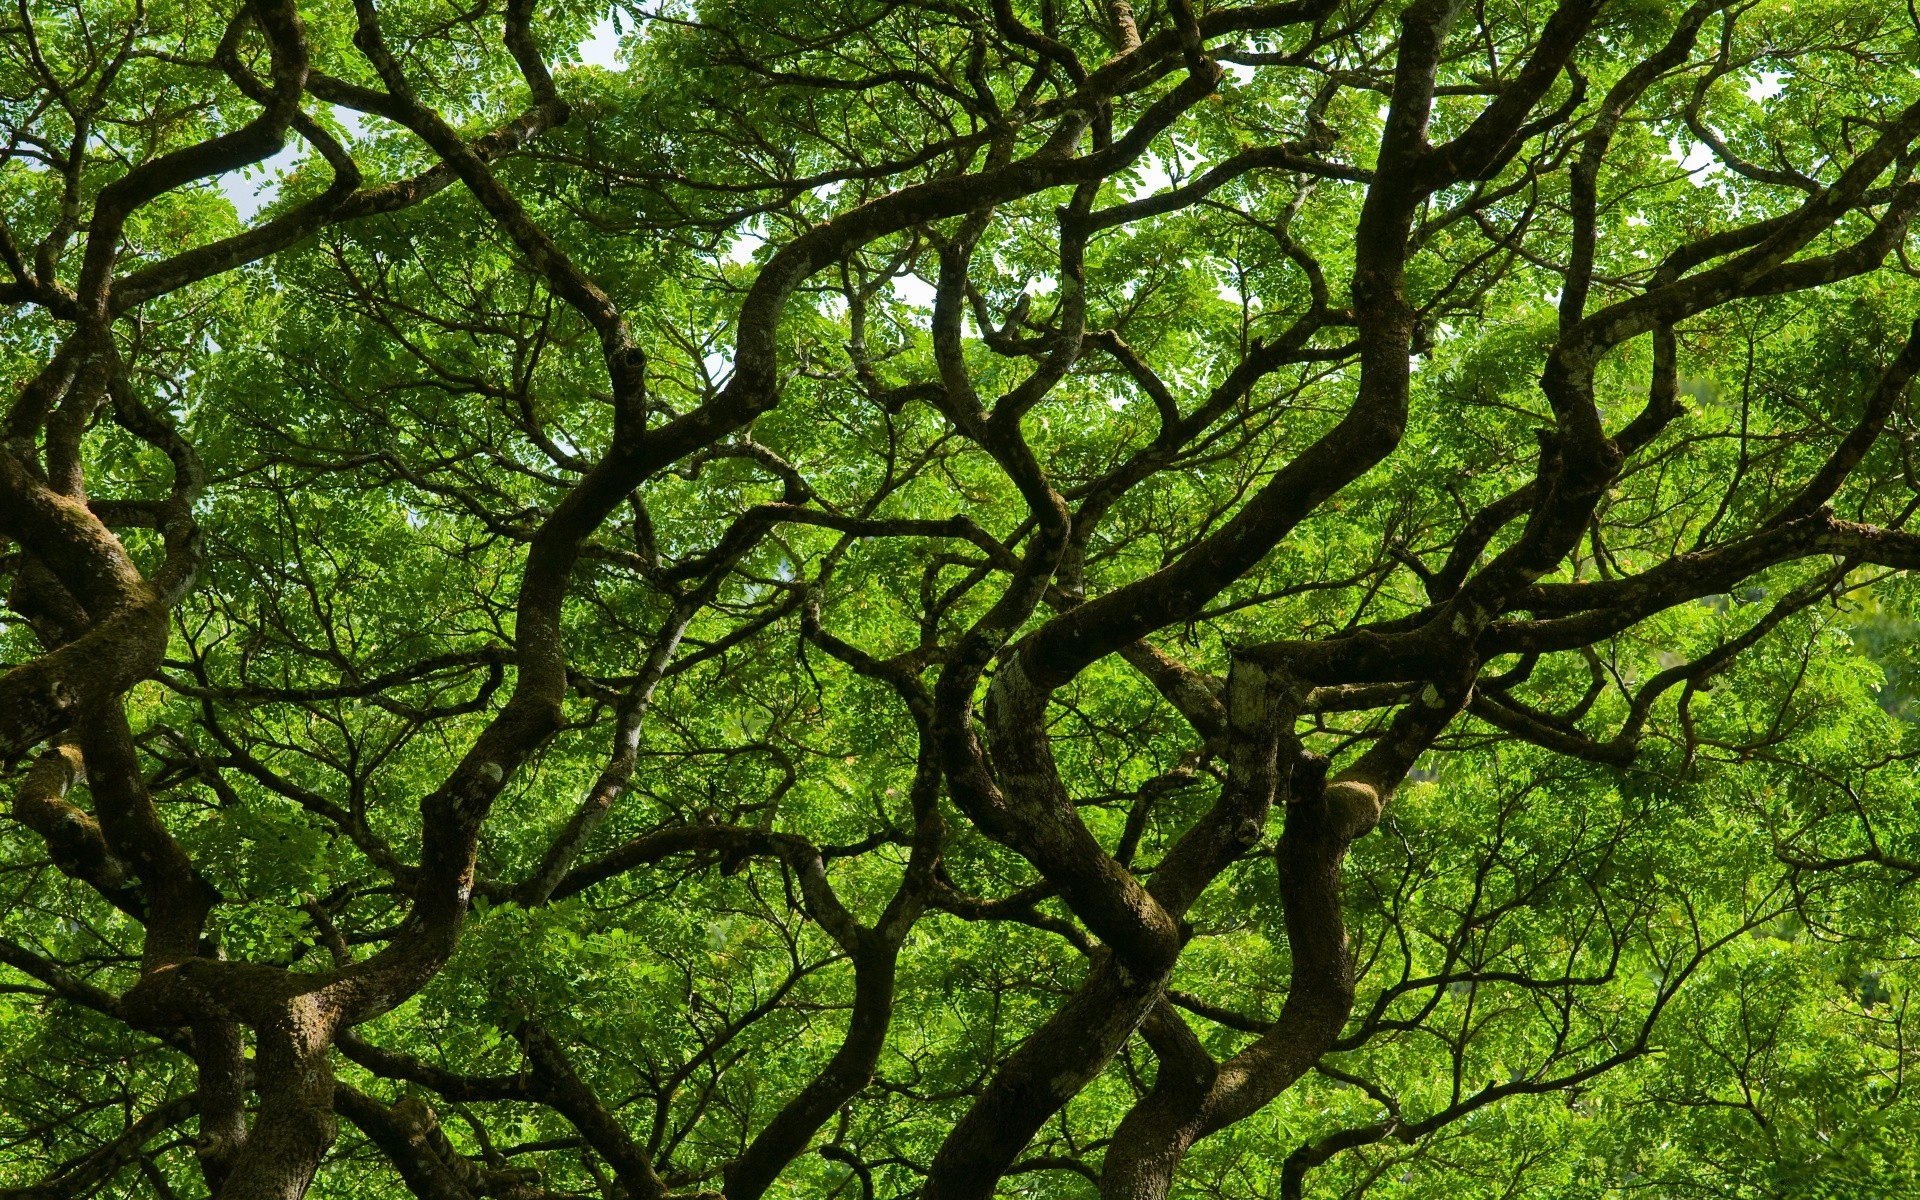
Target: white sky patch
[
  {"x": 743, "y": 246},
  {"x": 1695, "y": 158},
  {"x": 1156, "y": 171},
  {"x": 913, "y": 290},
  {"x": 1153, "y": 178},
  {"x": 1767, "y": 86},
  {"x": 251, "y": 189},
  {"x": 1241, "y": 72},
  {"x": 602, "y": 47}
]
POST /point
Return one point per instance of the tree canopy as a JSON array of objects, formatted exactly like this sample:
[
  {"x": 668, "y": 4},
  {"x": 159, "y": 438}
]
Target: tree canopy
[{"x": 959, "y": 598}]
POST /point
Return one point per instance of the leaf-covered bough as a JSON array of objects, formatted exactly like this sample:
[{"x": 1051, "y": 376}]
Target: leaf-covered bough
[{"x": 958, "y": 598}]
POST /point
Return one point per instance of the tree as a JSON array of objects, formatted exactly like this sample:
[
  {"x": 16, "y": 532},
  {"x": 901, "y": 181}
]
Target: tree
[{"x": 903, "y": 597}]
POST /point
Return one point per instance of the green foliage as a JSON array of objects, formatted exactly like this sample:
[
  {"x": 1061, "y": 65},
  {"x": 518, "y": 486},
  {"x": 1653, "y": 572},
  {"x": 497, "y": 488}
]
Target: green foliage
[{"x": 1685, "y": 973}]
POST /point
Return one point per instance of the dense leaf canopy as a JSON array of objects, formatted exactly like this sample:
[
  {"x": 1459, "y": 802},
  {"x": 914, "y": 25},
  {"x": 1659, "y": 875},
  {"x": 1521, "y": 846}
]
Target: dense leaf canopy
[{"x": 959, "y": 598}]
